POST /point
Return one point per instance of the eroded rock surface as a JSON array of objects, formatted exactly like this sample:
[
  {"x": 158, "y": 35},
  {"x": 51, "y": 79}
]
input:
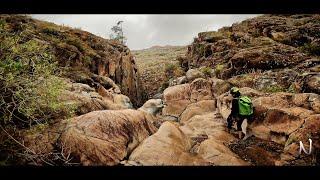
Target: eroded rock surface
[{"x": 106, "y": 137}]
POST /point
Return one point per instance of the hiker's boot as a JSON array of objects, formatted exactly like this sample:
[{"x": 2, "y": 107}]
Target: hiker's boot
[{"x": 249, "y": 134}]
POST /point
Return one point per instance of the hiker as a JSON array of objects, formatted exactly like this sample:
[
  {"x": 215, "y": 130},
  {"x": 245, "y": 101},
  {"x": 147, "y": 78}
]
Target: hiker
[{"x": 241, "y": 109}]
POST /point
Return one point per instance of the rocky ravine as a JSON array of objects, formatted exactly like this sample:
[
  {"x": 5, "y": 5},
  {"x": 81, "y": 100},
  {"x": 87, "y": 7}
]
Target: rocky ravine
[
  {"x": 187, "y": 126},
  {"x": 191, "y": 130},
  {"x": 192, "y": 123}
]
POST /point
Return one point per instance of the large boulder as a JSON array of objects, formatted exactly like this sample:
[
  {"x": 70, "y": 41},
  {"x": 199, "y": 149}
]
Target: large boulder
[
  {"x": 178, "y": 80},
  {"x": 309, "y": 130},
  {"x": 88, "y": 138},
  {"x": 198, "y": 108},
  {"x": 152, "y": 106},
  {"x": 200, "y": 90},
  {"x": 113, "y": 99},
  {"x": 168, "y": 146},
  {"x": 219, "y": 154},
  {"x": 208, "y": 132},
  {"x": 106, "y": 137},
  {"x": 193, "y": 74},
  {"x": 177, "y": 98},
  {"x": 83, "y": 97},
  {"x": 309, "y": 101},
  {"x": 280, "y": 114}
]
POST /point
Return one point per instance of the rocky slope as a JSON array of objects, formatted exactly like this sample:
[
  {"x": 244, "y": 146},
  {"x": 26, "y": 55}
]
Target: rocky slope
[
  {"x": 186, "y": 125},
  {"x": 57, "y": 72},
  {"x": 269, "y": 52},
  {"x": 90, "y": 59},
  {"x": 275, "y": 59}
]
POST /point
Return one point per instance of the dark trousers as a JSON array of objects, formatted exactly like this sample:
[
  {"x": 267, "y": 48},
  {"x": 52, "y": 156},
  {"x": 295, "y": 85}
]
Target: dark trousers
[{"x": 239, "y": 119}]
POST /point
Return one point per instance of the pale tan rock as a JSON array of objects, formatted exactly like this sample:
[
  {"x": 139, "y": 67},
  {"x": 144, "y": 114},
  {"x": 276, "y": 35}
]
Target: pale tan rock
[
  {"x": 168, "y": 146},
  {"x": 219, "y": 154},
  {"x": 198, "y": 108},
  {"x": 176, "y": 99},
  {"x": 106, "y": 137},
  {"x": 193, "y": 74},
  {"x": 200, "y": 90}
]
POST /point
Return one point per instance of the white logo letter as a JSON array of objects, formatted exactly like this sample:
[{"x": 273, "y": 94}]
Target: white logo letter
[{"x": 304, "y": 150}]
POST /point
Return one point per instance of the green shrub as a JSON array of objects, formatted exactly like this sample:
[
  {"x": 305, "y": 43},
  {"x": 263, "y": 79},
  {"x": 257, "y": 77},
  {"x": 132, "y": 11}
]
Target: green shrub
[
  {"x": 311, "y": 49},
  {"x": 273, "y": 89},
  {"x": 87, "y": 60},
  {"x": 207, "y": 71},
  {"x": 170, "y": 69},
  {"x": 29, "y": 83},
  {"x": 50, "y": 31},
  {"x": 77, "y": 43},
  {"x": 292, "y": 89},
  {"x": 218, "y": 69},
  {"x": 201, "y": 50},
  {"x": 2, "y": 24},
  {"x": 165, "y": 85}
]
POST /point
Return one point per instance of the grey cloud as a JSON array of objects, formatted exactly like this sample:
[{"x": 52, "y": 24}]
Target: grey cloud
[{"x": 143, "y": 31}]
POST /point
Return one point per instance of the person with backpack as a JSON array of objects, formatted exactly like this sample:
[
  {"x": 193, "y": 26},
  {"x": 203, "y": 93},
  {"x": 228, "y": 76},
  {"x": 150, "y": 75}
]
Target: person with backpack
[{"x": 241, "y": 109}]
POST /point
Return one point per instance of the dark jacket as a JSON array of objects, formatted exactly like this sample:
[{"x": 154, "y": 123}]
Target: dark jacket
[{"x": 235, "y": 107}]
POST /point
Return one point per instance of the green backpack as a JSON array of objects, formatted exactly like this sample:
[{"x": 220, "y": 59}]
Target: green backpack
[{"x": 245, "y": 106}]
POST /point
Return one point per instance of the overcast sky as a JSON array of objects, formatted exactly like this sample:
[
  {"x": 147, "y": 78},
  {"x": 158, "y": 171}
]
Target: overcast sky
[{"x": 143, "y": 31}]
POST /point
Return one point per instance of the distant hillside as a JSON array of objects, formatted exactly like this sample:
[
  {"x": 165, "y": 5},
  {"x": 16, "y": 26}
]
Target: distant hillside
[{"x": 152, "y": 63}]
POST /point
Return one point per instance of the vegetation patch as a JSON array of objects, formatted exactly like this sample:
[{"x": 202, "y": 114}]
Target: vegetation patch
[
  {"x": 207, "y": 71},
  {"x": 29, "y": 83},
  {"x": 218, "y": 69},
  {"x": 312, "y": 49},
  {"x": 273, "y": 89}
]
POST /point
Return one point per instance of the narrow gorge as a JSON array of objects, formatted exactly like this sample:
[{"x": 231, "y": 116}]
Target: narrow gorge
[{"x": 106, "y": 115}]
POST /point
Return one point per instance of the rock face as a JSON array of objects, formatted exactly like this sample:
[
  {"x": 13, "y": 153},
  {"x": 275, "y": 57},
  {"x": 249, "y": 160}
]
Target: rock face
[
  {"x": 107, "y": 137},
  {"x": 267, "y": 46},
  {"x": 169, "y": 146},
  {"x": 86, "y": 55},
  {"x": 112, "y": 60},
  {"x": 278, "y": 118},
  {"x": 177, "y": 98},
  {"x": 87, "y": 99},
  {"x": 103, "y": 137},
  {"x": 199, "y": 138},
  {"x": 310, "y": 129}
]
